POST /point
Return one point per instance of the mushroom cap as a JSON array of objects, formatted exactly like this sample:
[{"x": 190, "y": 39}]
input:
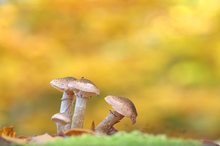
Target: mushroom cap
[
  {"x": 123, "y": 106},
  {"x": 87, "y": 87},
  {"x": 61, "y": 84},
  {"x": 60, "y": 118}
]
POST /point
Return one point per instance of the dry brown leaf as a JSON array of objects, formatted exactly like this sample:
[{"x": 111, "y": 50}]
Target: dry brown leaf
[
  {"x": 8, "y": 131},
  {"x": 40, "y": 139},
  {"x": 9, "y": 135},
  {"x": 77, "y": 131},
  {"x": 14, "y": 140}
]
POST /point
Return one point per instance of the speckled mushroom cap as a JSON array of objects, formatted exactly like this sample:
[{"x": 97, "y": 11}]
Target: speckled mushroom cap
[
  {"x": 60, "y": 118},
  {"x": 123, "y": 105},
  {"x": 86, "y": 87},
  {"x": 61, "y": 83}
]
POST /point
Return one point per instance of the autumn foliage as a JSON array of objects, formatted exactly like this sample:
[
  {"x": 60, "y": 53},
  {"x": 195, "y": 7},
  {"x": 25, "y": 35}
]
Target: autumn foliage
[{"x": 163, "y": 55}]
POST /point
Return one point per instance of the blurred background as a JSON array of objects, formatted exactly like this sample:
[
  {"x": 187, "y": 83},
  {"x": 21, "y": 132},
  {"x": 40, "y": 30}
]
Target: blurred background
[{"x": 162, "y": 54}]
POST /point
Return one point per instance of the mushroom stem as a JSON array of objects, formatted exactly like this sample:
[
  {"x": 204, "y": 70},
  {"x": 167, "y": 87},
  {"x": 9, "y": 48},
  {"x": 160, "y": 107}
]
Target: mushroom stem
[
  {"x": 112, "y": 131},
  {"x": 67, "y": 106},
  {"x": 60, "y": 127},
  {"x": 79, "y": 112},
  {"x": 112, "y": 118}
]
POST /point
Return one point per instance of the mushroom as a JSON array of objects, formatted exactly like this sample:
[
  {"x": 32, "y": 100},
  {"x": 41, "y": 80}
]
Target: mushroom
[
  {"x": 123, "y": 108},
  {"x": 60, "y": 119},
  {"x": 67, "y": 98},
  {"x": 83, "y": 89}
]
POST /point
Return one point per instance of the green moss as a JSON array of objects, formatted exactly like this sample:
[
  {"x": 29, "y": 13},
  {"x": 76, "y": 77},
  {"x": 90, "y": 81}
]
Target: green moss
[{"x": 122, "y": 139}]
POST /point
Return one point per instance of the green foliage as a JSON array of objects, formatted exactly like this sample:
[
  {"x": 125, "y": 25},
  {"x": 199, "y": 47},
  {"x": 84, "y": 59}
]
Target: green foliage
[{"x": 123, "y": 139}]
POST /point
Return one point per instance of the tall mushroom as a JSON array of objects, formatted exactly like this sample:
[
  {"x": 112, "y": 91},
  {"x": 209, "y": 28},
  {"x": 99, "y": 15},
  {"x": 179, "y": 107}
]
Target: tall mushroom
[
  {"x": 123, "y": 108},
  {"x": 60, "y": 119},
  {"x": 67, "y": 98},
  {"x": 83, "y": 89}
]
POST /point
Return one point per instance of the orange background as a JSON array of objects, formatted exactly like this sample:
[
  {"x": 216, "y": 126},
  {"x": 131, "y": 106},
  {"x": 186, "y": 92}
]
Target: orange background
[{"x": 162, "y": 54}]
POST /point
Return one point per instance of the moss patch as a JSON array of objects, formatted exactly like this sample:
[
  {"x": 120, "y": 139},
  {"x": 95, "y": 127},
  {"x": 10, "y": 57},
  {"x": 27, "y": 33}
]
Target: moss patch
[{"x": 123, "y": 139}]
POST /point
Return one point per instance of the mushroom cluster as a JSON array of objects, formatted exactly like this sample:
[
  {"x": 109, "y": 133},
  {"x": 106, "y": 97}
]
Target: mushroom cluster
[{"x": 79, "y": 91}]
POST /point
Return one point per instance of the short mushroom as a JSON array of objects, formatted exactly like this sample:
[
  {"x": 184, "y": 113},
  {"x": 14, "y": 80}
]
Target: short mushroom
[
  {"x": 83, "y": 89},
  {"x": 67, "y": 98},
  {"x": 60, "y": 119},
  {"x": 123, "y": 108}
]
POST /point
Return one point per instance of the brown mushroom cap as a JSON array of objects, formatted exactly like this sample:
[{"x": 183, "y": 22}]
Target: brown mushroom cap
[
  {"x": 60, "y": 118},
  {"x": 61, "y": 84},
  {"x": 87, "y": 87},
  {"x": 122, "y": 105}
]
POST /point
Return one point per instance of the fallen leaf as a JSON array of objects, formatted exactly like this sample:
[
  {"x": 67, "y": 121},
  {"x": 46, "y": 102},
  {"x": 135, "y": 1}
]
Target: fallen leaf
[
  {"x": 77, "y": 131},
  {"x": 40, "y": 139},
  {"x": 8, "y": 135},
  {"x": 14, "y": 140},
  {"x": 8, "y": 131}
]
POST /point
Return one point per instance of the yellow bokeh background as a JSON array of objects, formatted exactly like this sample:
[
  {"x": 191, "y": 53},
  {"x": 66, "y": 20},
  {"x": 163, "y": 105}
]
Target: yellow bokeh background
[{"x": 162, "y": 54}]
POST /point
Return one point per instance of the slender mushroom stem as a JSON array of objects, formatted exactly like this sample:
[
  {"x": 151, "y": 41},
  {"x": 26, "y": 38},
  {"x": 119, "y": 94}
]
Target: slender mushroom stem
[
  {"x": 112, "y": 118},
  {"x": 67, "y": 106},
  {"x": 79, "y": 111},
  {"x": 60, "y": 127}
]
